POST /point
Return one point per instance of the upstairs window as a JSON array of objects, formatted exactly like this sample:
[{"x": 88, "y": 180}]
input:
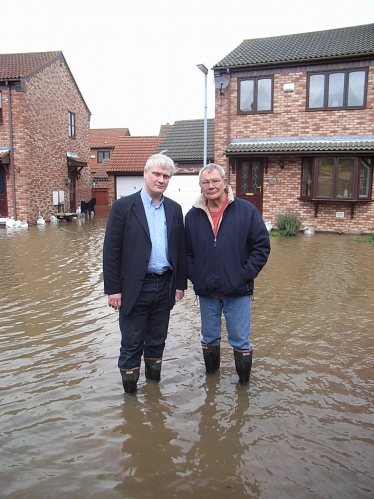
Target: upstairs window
[
  {"x": 102, "y": 155},
  {"x": 337, "y": 90},
  {"x": 337, "y": 179},
  {"x": 255, "y": 95},
  {"x": 1, "y": 108},
  {"x": 71, "y": 124}
]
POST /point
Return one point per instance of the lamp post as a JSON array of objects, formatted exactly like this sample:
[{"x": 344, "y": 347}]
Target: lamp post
[{"x": 204, "y": 70}]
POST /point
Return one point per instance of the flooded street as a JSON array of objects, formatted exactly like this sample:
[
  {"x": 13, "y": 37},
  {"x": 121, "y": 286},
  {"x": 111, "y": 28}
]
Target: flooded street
[{"x": 303, "y": 428}]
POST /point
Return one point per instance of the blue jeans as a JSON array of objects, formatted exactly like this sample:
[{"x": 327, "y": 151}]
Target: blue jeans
[
  {"x": 144, "y": 329},
  {"x": 237, "y": 312}
]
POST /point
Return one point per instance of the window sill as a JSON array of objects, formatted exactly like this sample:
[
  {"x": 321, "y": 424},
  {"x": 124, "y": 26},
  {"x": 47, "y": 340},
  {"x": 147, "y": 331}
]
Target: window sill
[{"x": 352, "y": 202}]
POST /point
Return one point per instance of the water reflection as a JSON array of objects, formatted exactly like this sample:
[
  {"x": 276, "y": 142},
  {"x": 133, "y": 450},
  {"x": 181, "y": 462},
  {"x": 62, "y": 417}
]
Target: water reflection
[{"x": 304, "y": 427}]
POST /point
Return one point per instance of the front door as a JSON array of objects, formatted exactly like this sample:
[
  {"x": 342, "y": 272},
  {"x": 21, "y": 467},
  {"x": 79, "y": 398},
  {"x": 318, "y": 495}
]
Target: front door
[
  {"x": 3, "y": 199},
  {"x": 249, "y": 178}
]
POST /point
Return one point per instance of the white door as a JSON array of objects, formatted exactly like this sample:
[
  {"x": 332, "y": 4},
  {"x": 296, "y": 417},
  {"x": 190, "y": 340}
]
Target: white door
[{"x": 184, "y": 189}]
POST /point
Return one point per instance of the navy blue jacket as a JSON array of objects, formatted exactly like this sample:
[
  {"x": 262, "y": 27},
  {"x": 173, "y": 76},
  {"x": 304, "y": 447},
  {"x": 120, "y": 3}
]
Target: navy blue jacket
[
  {"x": 228, "y": 264},
  {"x": 127, "y": 249}
]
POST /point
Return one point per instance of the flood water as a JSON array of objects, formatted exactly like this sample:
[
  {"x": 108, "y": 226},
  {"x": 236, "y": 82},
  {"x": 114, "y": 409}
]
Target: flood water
[{"x": 302, "y": 428}]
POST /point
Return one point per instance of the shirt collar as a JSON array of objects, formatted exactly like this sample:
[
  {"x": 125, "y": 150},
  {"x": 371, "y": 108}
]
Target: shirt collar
[{"x": 147, "y": 198}]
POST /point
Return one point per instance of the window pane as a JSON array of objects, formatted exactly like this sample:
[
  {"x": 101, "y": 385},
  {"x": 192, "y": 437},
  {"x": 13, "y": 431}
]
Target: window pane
[
  {"x": 356, "y": 88},
  {"x": 365, "y": 167},
  {"x": 101, "y": 155},
  {"x": 345, "y": 177},
  {"x": 336, "y": 90},
  {"x": 306, "y": 176},
  {"x": 246, "y": 95},
  {"x": 264, "y": 95},
  {"x": 325, "y": 177},
  {"x": 245, "y": 177},
  {"x": 255, "y": 176},
  {"x": 316, "y": 91}
]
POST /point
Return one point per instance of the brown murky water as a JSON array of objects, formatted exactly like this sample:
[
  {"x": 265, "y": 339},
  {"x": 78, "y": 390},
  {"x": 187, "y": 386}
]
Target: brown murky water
[{"x": 303, "y": 428}]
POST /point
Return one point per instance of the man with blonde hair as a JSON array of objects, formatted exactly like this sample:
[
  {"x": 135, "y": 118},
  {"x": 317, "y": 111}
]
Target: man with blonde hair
[{"x": 144, "y": 265}]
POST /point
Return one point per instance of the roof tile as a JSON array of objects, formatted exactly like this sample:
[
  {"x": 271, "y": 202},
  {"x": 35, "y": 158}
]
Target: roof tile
[
  {"x": 350, "y": 41},
  {"x": 302, "y": 144},
  {"x": 106, "y": 137},
  {"x": 131, "y": 153},
  {"x": 185, "y": 140},
  {"x": 14, "y": 66}
]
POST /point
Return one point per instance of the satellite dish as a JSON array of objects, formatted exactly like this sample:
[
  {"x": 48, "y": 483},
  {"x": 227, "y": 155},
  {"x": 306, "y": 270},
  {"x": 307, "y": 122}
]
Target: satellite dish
[{"x": 221, "y": 81}]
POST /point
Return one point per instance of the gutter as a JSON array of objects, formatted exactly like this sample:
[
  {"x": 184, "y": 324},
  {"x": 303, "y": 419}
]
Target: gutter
[{"x": 11, "y": 155}]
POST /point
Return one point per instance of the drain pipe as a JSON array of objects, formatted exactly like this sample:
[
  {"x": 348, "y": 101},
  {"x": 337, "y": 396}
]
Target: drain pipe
[
  {"x": 228, "y": 128},
  {"x": 11, "y": 155}
]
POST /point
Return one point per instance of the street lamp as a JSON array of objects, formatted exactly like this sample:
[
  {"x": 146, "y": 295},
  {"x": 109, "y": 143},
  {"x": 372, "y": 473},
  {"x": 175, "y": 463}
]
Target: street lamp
[{"x": 204, "y": 70}]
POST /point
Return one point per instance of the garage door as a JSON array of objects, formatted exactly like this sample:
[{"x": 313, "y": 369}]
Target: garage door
[
  {"x": 184, "y": 189},
  {"x": 129, "y": 185}
]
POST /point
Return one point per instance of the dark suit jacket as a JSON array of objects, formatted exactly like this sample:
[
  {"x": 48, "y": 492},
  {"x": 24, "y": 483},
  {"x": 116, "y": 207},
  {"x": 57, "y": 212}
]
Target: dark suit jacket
[{"x": 127, "y": 249}]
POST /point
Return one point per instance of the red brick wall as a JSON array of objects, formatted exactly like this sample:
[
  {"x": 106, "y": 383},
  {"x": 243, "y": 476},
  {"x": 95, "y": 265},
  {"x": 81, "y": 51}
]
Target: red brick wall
[
  {"x": 290, "y": 119},
  {"x": 40, "y": 142}
]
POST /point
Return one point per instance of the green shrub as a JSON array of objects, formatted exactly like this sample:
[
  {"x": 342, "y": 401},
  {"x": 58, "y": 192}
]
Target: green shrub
[
  {"x": 365, "y": 239},
  {"x": 288, "y": 223}
]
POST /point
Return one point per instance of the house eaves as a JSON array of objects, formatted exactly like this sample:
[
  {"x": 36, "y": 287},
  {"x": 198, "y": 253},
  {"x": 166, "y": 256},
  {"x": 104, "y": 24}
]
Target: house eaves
[{"x": 302, "y": 145}]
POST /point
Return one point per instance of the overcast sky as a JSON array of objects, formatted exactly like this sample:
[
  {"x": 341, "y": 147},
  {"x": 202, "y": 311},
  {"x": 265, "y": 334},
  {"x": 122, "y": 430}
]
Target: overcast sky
[{"x": 135, "y": 60}]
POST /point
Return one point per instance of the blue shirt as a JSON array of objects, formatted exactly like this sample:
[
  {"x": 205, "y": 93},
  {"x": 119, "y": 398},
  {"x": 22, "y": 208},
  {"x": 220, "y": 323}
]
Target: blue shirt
[{"x": 159, "y": 260}]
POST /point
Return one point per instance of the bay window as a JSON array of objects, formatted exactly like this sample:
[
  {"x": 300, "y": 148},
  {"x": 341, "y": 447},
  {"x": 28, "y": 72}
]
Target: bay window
[{"x": 337, "y": 178}]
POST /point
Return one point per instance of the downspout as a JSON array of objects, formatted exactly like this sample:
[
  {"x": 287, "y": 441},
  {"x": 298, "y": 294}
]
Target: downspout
[
  {"x": 228, "y": 126},
  {"x": 11, "y": 155}
]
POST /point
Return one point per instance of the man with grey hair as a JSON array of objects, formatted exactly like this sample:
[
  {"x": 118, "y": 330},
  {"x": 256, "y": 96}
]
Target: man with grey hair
[
  {"x": 144, "y": 266},
  {"x": 227, "y": 246}
]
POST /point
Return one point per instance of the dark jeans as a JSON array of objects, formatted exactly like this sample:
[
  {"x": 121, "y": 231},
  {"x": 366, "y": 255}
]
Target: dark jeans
[{"x": 145, "y": 328}]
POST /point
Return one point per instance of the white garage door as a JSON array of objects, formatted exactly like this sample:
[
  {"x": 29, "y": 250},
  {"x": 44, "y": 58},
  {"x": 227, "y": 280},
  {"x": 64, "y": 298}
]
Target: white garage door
[
  {"x": 184, "y": 189},
  {"x": 129, "y": 185}
]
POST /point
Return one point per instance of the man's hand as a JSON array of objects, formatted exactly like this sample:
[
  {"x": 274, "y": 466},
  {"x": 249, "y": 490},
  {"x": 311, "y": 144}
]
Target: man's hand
[
  {"x": 179, "y": 293},
  {"x": 114, "y": 301}
]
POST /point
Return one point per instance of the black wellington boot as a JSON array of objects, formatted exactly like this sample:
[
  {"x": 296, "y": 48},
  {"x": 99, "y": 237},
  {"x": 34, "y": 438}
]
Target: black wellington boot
[
  {"x": 129, "y": 379},
  {"x": 153, "y": 369},
  {"x": 243, "y": 364},
  {"x": 211, "y": 355}
]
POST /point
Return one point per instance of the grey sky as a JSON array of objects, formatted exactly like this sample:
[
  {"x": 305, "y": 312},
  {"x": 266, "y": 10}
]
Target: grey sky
[{"x": 135, "y": 61}]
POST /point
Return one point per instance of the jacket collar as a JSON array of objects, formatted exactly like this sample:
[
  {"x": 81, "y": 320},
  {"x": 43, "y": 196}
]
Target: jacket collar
[{"x": 201, "y": 201}]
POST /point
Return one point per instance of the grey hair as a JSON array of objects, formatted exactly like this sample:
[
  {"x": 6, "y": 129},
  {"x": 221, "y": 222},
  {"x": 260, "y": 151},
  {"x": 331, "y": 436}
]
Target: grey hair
[
  {"x": 162, "y": 161},
  {"x": 209, "y": 168}
]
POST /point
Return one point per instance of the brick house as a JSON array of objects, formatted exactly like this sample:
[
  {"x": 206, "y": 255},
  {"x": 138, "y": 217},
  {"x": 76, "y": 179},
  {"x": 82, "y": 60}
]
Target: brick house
[
  {"x": 44, "y": 137},
  {"x": 183, "y": 142},
  {"x": 102, "y": 143},
  {"x": 294, "y": 124}
]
